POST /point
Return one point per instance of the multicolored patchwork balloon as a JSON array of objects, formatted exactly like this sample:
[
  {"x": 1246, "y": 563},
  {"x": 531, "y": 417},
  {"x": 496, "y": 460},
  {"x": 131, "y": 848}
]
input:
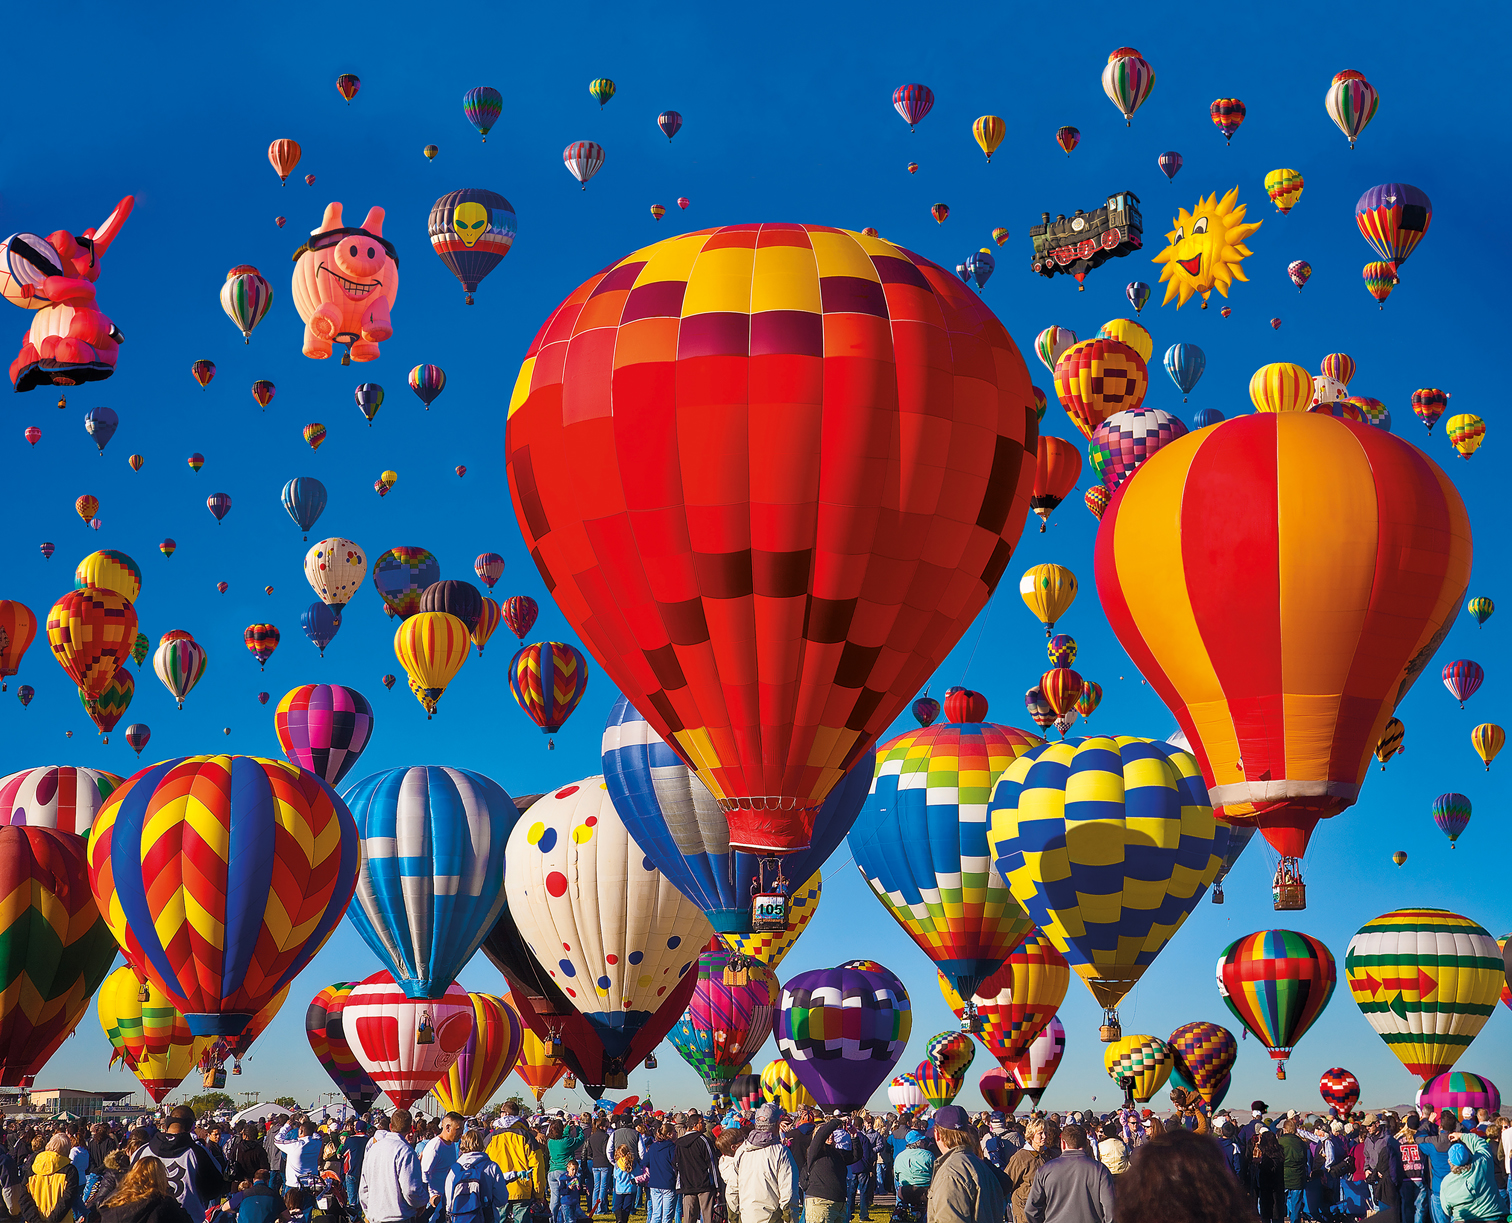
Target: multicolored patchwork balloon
[
  {"x": 402, "y": 575},
  {"x": 1037, "y": 1067},
  {"x": 1204, "y": 1055},
  {"x": 938, "y": 1086},
  {"x": 222, "y": 900},
  {"x": 725, "y": 1024},
  {"x": 1016, "y": 1003},
  {"x": 843, "y": 1030},
  {"x": 769, "y": 948},
  {"x": 1458, "y": 1089},
  {"x": 903, "y": 1093},
  {"x": 1144, "y": 1059},
  {"x": 324, "y": 728}
]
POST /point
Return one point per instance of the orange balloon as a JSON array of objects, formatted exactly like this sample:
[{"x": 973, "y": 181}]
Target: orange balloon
[
  {"x": 1057, "y": 469},
  {"x": 1061, "y": 687},
  {"x": 91, "y": 632},
  {"x": 1098, "y": 377},
  {"x": 284, "y": 156}
]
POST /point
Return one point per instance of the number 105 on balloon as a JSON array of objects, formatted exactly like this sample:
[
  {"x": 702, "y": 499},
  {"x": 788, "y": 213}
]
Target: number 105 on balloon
[{"x": 769, "y": 912}]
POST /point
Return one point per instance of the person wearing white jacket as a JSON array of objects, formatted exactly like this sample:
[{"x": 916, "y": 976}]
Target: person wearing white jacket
[
  {"x": 762, "y": 1181},
  {"x": 392, "y": 1188}
]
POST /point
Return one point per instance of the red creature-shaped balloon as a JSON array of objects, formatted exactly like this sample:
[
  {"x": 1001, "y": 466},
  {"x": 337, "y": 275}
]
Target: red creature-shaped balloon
[
  {"x": 70, "y": 341},
  {"x": 345, "y": 283}
]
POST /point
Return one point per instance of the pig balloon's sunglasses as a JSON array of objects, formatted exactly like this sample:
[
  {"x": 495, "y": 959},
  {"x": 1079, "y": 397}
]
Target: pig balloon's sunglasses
[{"x": 331, "y": 237}]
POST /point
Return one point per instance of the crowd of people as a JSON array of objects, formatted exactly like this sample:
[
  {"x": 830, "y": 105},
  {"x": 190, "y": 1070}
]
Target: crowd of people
[{"x": 766, "y": 1166}]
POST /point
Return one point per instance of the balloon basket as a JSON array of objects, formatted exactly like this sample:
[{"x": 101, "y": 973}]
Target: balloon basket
[
  {"x": 570, "y": 1082},
  {"x": 1217, "y": 893},
  {"x": 650, "y": 1061},
  {"x": 1287, "y": 889},
  {"x": 617, "y": 1081},
  {"x": 1111, "y": 1029}
]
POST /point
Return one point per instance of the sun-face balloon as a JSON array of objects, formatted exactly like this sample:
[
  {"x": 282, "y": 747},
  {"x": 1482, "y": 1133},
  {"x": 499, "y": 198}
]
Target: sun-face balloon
[{"x": 1206, "y": 249}]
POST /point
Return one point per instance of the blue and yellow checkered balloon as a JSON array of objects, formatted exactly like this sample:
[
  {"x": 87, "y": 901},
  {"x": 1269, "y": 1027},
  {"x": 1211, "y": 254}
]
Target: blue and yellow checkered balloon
[{"x": 1108, "y": 843}]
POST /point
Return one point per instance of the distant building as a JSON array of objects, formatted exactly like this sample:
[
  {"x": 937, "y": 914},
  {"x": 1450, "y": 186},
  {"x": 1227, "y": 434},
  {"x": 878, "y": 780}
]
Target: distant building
[
  {"x": 75, "y": 1100},
  {"x": 1078, "y": 245}
]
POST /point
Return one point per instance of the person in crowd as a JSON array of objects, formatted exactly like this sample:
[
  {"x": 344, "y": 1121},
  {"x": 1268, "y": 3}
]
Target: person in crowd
[
  {"x": 349, "y": 1151},
  {"x": 296, "y": 1205},
  {"x": 763, "y": 1183},
  {"x": 1469, "y": 1193},
  {"x": 437, "y": 1158},
  {"x": 54, "y": 1181},
  {"x": 194, "y": 1175},
  {"x": 391, "y": 1188},
  {"x": 513, "y": 1149},
  {"x": 300, "y": 1145},
  {"x": 697, "y": 1172},
  {"x": 600, "y": 1157},
  {"x": 963, "y": 1187},
  {"x": 858, "y": 1177},
  {"x": 1267, "y": 1169},
  {"x": 569, "y": 1193},
  {"x": 1074, "y": 1188},
  {"x": 562, "y": 1144},
  {"x": 259, "y": 1204},
  {"x": 143, "y": 1196},
  {"x": 475, "y": 1186},
  {"x": 823, "y": 1176},
  {"x": 1180, "y": 1177},
  {"x": 661, "y": 1183},
  {"x": 1296, "y": 1165},
  {"x": 1112, "y": 1150},
  {"x": 627, "y": 1167},
  {"x": 1041, "y": 1144},
  {"x": 726, "y": 1146}
]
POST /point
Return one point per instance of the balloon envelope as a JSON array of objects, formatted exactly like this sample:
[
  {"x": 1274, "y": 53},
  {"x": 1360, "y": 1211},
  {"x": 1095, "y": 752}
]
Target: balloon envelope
[
  {"x": 325, "y": 1029},
  {"x": 385, "y": 1028},
  {"x": 324, "y": 728},
  {"x": 57, "y": 796},
  {"x": 842, "y": 1030},
  {"x": 486, "y": 1059}
]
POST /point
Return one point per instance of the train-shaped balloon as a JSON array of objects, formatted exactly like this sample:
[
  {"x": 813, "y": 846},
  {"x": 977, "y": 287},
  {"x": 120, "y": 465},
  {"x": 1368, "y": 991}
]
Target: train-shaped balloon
[{"x": 1087, "y": 239}]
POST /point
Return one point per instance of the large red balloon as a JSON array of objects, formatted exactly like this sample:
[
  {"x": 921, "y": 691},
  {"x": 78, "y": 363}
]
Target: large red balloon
[{"x": 770, "y": 474}]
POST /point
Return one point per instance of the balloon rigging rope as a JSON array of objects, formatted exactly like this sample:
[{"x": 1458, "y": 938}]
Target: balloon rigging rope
[{"x": 986, "y": 615}]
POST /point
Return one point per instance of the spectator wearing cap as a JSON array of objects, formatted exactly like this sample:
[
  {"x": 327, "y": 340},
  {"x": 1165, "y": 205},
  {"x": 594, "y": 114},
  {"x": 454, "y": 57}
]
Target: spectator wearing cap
[
  {"x": 1469, "y": 1193},
  {"x": 964, "y": 1188},
  {"x": 912, "y": 1171},
  {"x": 997, "y": 1147},
  {"x": 763, "y": 1183},
  {"x": 1378, "y": 1162},
  {"x": 1074, "y": 1188},
  {"x": 1248, "y": 1133}
]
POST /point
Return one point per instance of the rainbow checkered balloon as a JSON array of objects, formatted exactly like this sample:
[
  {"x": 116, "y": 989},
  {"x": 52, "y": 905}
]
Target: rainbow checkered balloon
[
  {"x": 1458, "y": 1089},
  {"x": 1145, "y": 1059},
  {"x": 1203, "y": 1054}
]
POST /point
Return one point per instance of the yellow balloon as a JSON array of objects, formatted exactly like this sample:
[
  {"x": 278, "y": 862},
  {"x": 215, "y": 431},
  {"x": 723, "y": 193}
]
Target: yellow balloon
[
  {"x": 1048, "y": 591},
  {"x": 1487, "y": 739},
  {"x": 1281, "y": 387},
  {"x": 770, "y": 948},
  {"x": 781, "y": 1086},
  {"x": 1466, "y": 433},
  {"x": 1127, "y": 331},
  {"x": 1285, "y": 189},
  {"x": 389, "y": 478},
  {"x": 110, "y": 570},
  {"x": 1145, "y": 1059},
  {"x": 989, "y": 131},
  {"x": 431, "y": 647}
]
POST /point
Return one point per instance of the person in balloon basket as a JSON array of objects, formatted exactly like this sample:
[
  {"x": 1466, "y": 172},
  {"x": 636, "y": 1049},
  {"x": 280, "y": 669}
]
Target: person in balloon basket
[
  {"x": 194, "y": 1175},
  {"x": 391, "y": 1188},
  {"x": 512, "y": 1148}
]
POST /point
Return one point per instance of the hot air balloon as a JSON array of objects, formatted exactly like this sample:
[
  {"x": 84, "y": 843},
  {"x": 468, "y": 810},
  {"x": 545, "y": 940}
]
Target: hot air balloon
[
  {"x": 1227, "y": 115},
  {"x": 1286, "y": 778},
  {"x": 431, "y": 647},
  {"x": 1428, "y": 405},
  {"x": 460, "y": 599},
  {"x": 1068, "y": 138},
  {"x": 1126, "y": 440},
  {"x": 1090, "y": 698},
  {"x": 18, "y": 623},
  {"x": 1426, "y": 980},
  {"x": 304, "y": 497},
  {"x": 1379, "y": 281},
  {"x": 1487, "y": 739},
  {"x": 1300, "y": 272},
  {"x": 320, "y": 623},
  {"x": 314, "y": 434},
  {"x": 691, "y": 705},
  {"x": 483, "y": 106},
  {"x": 782, "y": 1087},
  {"x": 263, "y": 391},
  {"x": 1096, "y": 499},
  {"x": 539, "y": 1069},
  {"x": 1458, "y": 1090},
  {"x": 989, "y": 131},
  {"x": 1017, "y": 1002},
  {"x": 180, "y": 663},
  {"x": 1466, "y": 433},
  {"x": 725, "y": 1024},
  {"x": 219, "y": 504},
  {"x": 583, "y": 159},
  {"x": 1390, "y": 742},
  {"x": 939, "y": 212},
  {"x": 406, "y": 1045},
  {"x": 101, "y": 424},
  {"x": 1127, "y": 80},
  {"x": 904, "y": 1095},
  {"x": 86, "y": 507},
  {"x": 137, "y": 735},
  {"x": 1095, "y": 378},
  {"x": 324, "y": 728},
  {"x": 486, "y": 1059},
  {"x": 670, "y": 123},
  {"x": 519, "y": 613},
  {"x": 842, "y": 1031},
  {"x": 980, "y": 266},
  {"x": 1051, "y": 344},
  {"x": 1170, "y": 164},
  {"x": 1338, "y": 366},
  {"x": 91, "y": 632},
  {"x": 672, "y": 814},
  {"x": 1138, "y": 294},
  {"x": 283, "y": 156},
  {"x": 203, "y": 371},
  {"x": 1035, "y": 1069},
  {"x": 938, "y": 1087},
  {"x": 402, "y": 575},
  {"x": 1393, "y": 218},
  {"x": 913, "y": 102},
  {"x": 769, "y": 947},
  {"x": 1185, "y": 363},
  {"x": 325, "y": 1029},
  {"x": 347, "y": 86},
  {"x": 1110, "y": 901},
  {"x": 1139, "y": 1064},
  {"x": 547, "y": 680},
  {"x": 1284, "y": 188},
  {"x": 489, "y": 567},
  {"x": 1463, "y": 678},
  {"x": 287, "y": 846},
  {"x": 1351, "y": 103},
  {"x": 428, "y": 381},
  {"x": 1061, "y": 650},
  {"x": 489, "y": 618},
  {"x": 1480, "y": 608},
  {"x": 431, "y": 884},
  {"x": 1451, "y": 812},
  {"x": 471, "y": 231},
  {"x": 57, "y": 948},
  {"x": 369, "y": 397},
  {"x": 614, "y": 970},
  {"x": 1057, "y": 469},
  {"x": 1276, "y": 982},
  {"x": 47, "y": 551},
  {"x": 1048, "y": 591},
  {"x": 920, "y": 843},
  {"x": 335, "y": 568},
  {"x": 106, "y": 569},
  {"x": 1340, "y": 1091},
  {"x": 155, "y": 1043},
  {"x": 245, "y": 297},
  {"x": 1203, "y": 1054}
]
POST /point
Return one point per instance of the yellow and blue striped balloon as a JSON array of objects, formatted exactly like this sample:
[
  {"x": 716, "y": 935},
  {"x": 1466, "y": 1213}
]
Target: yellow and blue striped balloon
[{"x": 1108, "y": 843}]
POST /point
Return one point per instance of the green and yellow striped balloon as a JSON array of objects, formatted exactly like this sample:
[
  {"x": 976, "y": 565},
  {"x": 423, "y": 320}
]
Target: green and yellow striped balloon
[{"x": 1426, "y": 980}]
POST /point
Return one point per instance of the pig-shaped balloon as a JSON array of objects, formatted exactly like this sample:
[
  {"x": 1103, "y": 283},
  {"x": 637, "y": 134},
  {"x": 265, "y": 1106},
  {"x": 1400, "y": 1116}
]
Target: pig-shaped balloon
[
  {"x": 70, "y": 340},
  {"x": 345, "y": 283}
]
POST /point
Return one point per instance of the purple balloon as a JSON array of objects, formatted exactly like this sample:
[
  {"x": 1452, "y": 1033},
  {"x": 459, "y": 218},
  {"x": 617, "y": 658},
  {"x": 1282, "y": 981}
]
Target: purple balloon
[
  {"x": 323, "y": 728},
  {"x": 842, "y": 1031},
  {"x": 1126, "y": 439}
]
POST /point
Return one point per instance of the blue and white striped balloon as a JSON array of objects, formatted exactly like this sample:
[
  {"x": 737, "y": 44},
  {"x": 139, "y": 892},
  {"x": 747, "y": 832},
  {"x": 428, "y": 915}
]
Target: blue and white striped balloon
[
  {"x": 432, "y": 879},
  {"x": 675, "y": 818}
]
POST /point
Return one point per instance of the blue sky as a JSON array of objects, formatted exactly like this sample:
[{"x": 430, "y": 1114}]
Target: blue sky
[{"x": 786, "y": 117}]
